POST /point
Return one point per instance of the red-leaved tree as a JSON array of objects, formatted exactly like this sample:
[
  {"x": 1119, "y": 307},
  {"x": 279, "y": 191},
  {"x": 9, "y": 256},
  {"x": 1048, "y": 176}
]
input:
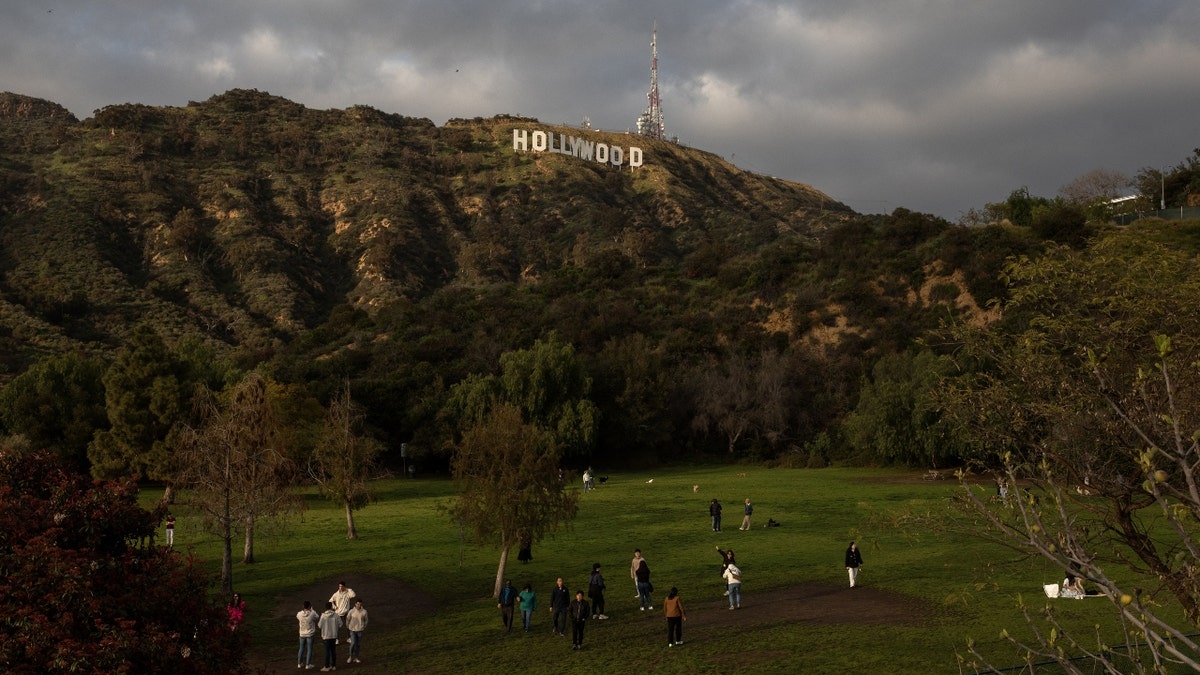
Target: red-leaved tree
[{"x": 84, "y": 589}]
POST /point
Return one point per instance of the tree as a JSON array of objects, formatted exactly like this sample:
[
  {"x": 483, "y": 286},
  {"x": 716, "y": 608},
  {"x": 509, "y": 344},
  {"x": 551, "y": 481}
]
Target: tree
[
  {"x": 146, "y": 397},
  {"x": 344, "y": 458},
  {"x": 896, "y": 418},
  {"x": 83, "y": 589},
  {"x": 1098, "y": 186},
  {"x": 744, "y": 397},
  {"x": 508, "y": 483},
  {"x": 1093, "y": 401},
  {"x": 57, "y": 404},
  {"x": 236, "y": 466},
  {"x": 547, "y": 383},
  {"x": 148, "y": 390}
]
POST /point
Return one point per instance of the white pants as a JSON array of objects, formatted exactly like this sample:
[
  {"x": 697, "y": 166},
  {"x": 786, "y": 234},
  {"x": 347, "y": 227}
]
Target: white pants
[{"x": 853, "y": 575}]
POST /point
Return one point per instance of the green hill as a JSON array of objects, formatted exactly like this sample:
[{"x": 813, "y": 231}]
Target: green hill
[{"x": 335, "y": 244}]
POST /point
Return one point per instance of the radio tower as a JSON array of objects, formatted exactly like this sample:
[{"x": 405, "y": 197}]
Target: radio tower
[{"x": 650, "y": 123}]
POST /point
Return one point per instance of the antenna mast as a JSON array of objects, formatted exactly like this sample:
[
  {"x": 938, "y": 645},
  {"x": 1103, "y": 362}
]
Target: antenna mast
[{"x": 650, "y": 123}]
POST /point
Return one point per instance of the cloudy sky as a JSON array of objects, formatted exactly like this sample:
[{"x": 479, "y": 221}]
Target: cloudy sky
[{"x": 931, "y": 105}]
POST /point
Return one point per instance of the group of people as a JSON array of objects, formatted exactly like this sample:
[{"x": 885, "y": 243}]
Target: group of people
[
  {"x": 577, "y": 609},
  {"x": 342, "y": 609},
  {"x": 714, "y": 512}
]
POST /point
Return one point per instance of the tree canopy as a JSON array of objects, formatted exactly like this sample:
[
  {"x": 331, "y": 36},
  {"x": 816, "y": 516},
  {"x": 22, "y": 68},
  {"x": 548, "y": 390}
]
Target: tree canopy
[
  {"x": 1091, "y": 398},
  {"x": 511, "y": 484},
  {"x": 83, "y": 587}
]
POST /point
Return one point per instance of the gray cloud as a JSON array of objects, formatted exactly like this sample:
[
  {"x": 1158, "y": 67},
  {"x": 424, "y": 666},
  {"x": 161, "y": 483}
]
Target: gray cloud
[{"x": 933, "y": 105}]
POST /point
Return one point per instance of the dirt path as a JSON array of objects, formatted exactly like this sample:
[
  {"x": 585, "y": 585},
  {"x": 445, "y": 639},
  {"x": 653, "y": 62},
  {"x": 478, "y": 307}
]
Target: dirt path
[{"x": 392, "y": 602}]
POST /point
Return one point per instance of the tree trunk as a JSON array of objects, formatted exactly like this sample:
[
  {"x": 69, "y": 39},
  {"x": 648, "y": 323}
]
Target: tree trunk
[
  {"x": 168, "y": 497},
  {"x": 227, "y": 561},
  {"x": 500, "y": 570},
  {"x": 248, "y": 547},
  {"x": 350, "y": 532}
]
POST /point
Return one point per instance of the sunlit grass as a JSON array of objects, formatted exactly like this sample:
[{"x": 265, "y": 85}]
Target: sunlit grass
[{"x": 967, "y": 588}]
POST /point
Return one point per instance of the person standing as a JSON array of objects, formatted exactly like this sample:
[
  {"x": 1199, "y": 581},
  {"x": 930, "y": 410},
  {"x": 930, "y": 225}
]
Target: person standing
[
  {"x": 343, "y": 600},
  {"x": 560, "y": 600},
  {"x": 508, "y": 597},
  {"x": 853, "y": 562},
  {"x": 727, "y": 559},
  {"x": 330, "y": 623},
  {"x": 356, "y": 623},
  {"x": 170, "y": 530},
  {"x": 308, "y": 629},
  {"x": 644, "y": 587},
  {"x": 596, "y": 592},
  {"x": 633, "y": 565},
  {"x": 528, "y": 602},
  {"x": 733, "y": 581},
  {"x": 714, "y": 510},
  {"x": 673, "y": 607},
  {"x": 746, "y": 519},
  {"x": 578, "y": 612},
  {"x": 236, "y": 609}
]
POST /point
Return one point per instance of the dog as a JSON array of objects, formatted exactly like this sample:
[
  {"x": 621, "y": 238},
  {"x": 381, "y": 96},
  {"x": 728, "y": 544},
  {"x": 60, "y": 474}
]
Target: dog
[
  {"x": 742, "y": 474},
  {"x": 603, "y": 480},
  {"x": 771, "y": 522},
  {"x": 695, "y": 488}
]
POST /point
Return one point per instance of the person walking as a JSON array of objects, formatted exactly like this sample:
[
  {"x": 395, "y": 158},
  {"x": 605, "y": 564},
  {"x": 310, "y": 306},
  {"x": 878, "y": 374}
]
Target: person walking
[
  {"x": 733, "y": 580},
  {"x": 343, "y": 600},
  {"x": 644, "y": 587},
  {"x": 356, "y": 623},
  {"x": 527, "y": 600},
  {"x": 633, "y": 565},
  {"x": 508, "y": 597},
  {"x": 596, "y": 592},
  {"x": 578, "y": 612},
  {"x": 714, "y": 510},
  {"x": 560, "y": 600},
  {"x": 673, "y": 608},
  {"x": 308, "y": 629},
  {"x": 853, "y": 563},
  {"x": 746, "y": 519},
  {"x": 330, "y": 623}
]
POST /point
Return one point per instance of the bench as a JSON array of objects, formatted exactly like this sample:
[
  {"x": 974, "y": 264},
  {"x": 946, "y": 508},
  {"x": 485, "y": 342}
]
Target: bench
[{"x": 933, "y": 475}]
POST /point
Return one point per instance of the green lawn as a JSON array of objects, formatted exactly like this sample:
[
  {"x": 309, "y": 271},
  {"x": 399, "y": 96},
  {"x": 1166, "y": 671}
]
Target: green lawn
[{"x": 968, "y": 588}]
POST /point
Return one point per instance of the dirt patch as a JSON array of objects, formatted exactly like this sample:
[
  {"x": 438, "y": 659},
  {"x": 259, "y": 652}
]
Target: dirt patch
[{"x": 389, "y": 602}]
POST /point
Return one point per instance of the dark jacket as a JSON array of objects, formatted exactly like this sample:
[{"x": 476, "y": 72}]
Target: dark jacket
[
  {"x": 560, "y": 598},
  {"x": 853, "y": 557},
  {"x": 714, "y": 508},
  {"x": 579, "y": 610},
  {"x": 643, "y": 573},
  {"x": 508, "y": 595},
  {"x": 595, "y": 585}
]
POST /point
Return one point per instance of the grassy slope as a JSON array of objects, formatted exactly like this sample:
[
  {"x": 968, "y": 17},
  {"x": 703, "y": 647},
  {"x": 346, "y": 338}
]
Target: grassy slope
[{"x": 970, "y": 587}]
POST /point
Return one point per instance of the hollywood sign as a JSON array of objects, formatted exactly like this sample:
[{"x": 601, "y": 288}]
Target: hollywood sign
[{"x": 591, "y": 151}]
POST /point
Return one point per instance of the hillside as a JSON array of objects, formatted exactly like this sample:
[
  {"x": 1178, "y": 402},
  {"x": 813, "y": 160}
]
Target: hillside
[
  {"x": 248, "y": 217},
  {"x": 355, "y": 244}
]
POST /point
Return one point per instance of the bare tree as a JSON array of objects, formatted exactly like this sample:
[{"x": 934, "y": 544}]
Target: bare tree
[
  {"x": 345, "y": 458},
  {"x": 1097, "y": 185},
  {"x": 744, "y": 397},
  {"x": 235, "y": 466}
]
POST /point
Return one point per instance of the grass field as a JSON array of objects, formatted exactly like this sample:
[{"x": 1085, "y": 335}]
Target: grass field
[{"x": 959, "y": 588}]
